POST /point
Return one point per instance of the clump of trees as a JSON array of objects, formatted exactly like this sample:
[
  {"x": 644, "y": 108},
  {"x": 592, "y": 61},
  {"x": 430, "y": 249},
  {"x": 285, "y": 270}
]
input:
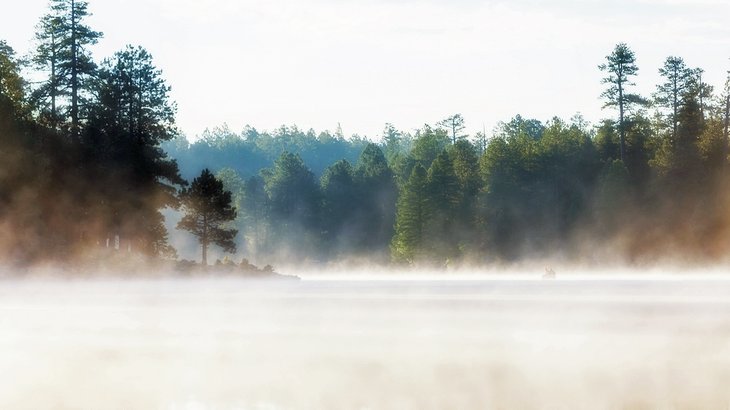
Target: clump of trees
[
  {"x": 647, "y": 184},
  {"x": 89, "y": 158},
  {"x": 84, "y": 167}
]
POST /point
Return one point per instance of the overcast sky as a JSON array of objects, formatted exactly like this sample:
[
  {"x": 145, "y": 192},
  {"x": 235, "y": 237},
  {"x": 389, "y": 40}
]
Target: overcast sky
[{"x": 316, "y": 63}]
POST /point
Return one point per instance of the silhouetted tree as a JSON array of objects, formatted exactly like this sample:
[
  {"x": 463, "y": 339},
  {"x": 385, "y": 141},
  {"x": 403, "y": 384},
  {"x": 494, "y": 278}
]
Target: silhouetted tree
[
  {"x": 63, "y": 50},
  {"x": 48, "y": 54},
  {"x": 208, "y": 209},
  {"x": 620, "y": 67},
  {"x": 128, "y": 124}
]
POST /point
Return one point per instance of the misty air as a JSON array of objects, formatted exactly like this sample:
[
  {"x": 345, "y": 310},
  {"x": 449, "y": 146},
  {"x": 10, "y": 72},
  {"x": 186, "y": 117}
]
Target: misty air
[{"x": 391, "y": 205}]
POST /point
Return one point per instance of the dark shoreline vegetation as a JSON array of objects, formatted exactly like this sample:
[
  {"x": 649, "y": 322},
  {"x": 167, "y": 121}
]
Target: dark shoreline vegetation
[{"x": 90, "y": 157}]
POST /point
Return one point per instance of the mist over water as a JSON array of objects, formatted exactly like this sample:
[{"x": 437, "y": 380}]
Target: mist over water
[{"x": 404, "y": 342}]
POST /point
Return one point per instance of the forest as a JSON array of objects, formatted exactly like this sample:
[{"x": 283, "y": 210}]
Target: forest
[{"x": 90, "y": 157}]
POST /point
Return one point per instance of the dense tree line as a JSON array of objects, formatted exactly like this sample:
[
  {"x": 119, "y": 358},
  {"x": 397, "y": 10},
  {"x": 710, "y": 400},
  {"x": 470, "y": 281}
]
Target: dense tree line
[
  {"x": 650, "y": 183},
  {"x": 87, "y": 163},
  {"x": 250, "y": 150},
  {"x": 83, "y": 168}
]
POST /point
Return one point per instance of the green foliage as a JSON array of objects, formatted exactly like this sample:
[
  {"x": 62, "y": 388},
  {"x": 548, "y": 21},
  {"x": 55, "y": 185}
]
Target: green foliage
[
  {"x": 340, "y": 196},
  {"x": 208, "y": 209},
  {"x": 126, "y": 127},
  {"x": 443, "y": 199},
  {"x": 220, "y": 147},
  {"x": 612, "y": 196},
  {"x": 412, "y": 213},
  {"x": 454, "y": 124},
  {"x": 377, "y": 193},
  {"x": 83, "y": 159},
  {"x": 536, "y": 190},
  {"x": 293, "y": 191},
  {"x": 519, "y": 126},
  {"x": 63, "y": 50},
  {"x": 620, "y": 66},
  {"x": 233, "y": 183},
  {"x": 12, "y": 85},
  {"x": 679, "y": 80},
  {"x": 428, "y": 143}
]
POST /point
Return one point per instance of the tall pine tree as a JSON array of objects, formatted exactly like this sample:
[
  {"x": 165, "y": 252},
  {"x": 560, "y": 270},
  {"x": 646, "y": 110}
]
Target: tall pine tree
[{"x": 208, "y": 209}]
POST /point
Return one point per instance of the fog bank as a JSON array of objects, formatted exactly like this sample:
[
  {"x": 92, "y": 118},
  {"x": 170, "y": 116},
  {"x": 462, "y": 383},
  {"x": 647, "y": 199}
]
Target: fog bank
[{"x": 331, "y": 344}]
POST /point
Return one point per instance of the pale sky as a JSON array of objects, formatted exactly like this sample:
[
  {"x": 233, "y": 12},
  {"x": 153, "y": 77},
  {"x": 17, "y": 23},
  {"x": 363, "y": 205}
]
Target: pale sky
[{"x": 317, "y": 63}]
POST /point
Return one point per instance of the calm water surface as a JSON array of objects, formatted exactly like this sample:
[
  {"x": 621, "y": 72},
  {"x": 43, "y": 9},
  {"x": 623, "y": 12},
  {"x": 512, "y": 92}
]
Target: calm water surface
[{"x": 338, "y": 344}]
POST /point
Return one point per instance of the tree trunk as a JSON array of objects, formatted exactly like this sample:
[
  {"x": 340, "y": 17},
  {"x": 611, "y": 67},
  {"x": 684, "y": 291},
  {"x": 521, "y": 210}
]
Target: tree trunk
[
  {"x": 74, "y": 75},
  {"x": 622, "y": 132},
  {"x": 54, "y": 86},
  {"x": 205, "y": 254},
  {"x": 725, "y": 133},
  {"x": 204, "y": 240},
  {"x": 675, "y": 104}
]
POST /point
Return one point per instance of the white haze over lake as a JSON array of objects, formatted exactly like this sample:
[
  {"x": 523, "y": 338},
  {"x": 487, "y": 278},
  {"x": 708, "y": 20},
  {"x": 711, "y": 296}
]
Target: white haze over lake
[{"x": 407, "y": 343}]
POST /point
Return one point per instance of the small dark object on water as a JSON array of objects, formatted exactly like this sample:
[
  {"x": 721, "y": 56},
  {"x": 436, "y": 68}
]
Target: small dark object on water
[{"x": 549, "y": 274}]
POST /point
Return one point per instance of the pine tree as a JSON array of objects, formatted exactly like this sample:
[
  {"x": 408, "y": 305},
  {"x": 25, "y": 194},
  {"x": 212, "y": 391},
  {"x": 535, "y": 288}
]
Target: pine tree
[
  {"x": 47, "y": 56},
  {"x": 671, "y": 93},
  {"x": 377, "y": 195},
  {"x": 207, "y": 209},
  {"x": 127, "y": 125},
  {"x": 454, "y": 124},
  {"x": 620, "y": 67},
  {"x": 465, "y": 162},
  {"x": 63, "y": 41},
  {"x": 12, "y": 85},
  {"x": 339, "y": 203},
  {"x": 443, "y": 200},
  {"x": 293, "y": 192},
  {"x": 412, "y": 212}
]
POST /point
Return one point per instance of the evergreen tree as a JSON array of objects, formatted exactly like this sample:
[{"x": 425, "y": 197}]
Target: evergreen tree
[
  {"x": 620, "y": 66},
  {"x": 12, "y": 84},
  {"x": 519, "y": 126},
  {"x": 293, "y": 192},
  {"x": 47, "y": 57},
  {"x": 671, "y": 94},
  {"x": 392, "y": 141},
  {"x": 725, "y": 103},
  {"x": 207, "y": 207},
  {"x": 63, "y": 49},
  {"x": 340, "y": 204},
  {"x": 454, "y": 124},
  {"x": 687, "y": 167},
  {"x": 428, "y": 143},
  {"x": 412, "y": 213},
  {"x": 465, "y": 162},
  {"x": 128, "y": 124},
  {"x": 703, "y": 91},
  {"x": 443, "y": 200},
  {"x": 377, "y": 195}
]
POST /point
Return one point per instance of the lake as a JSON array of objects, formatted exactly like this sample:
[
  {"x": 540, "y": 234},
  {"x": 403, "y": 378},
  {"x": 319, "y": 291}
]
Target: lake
[{"x": 385, "y": 342}]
